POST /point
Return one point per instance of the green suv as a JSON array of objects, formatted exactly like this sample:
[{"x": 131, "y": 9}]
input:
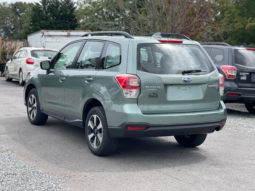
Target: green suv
[{"x": 121, "y": 86}]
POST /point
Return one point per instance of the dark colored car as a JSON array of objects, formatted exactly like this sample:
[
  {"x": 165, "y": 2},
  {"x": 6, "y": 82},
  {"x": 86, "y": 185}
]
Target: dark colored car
[{"x": 237, "y": 64}]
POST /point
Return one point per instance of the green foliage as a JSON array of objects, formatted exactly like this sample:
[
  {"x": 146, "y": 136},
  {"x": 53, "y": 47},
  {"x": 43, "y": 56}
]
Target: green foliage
[
  {"x": 52, "y": 15},
  {"x": 8, "y": 48},
  {"x": 14, "y": 19},
  {"x": 237, "y": 21}
]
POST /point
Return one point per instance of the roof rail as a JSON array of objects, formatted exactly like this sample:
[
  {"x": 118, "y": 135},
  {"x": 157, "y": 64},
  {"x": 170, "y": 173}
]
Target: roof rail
[
  {"x": 109, "y": 33},
  {"x": 214, "y": 43},
  {"x": 168, "y": 35}
]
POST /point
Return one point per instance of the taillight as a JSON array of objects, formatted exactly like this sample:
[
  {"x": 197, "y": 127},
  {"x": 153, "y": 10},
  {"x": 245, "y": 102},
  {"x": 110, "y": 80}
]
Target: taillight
[
  {"x": 129, "y": 84},
  {"x": 221, "y": 78},
  {"x": 171, "y": 41},
  {"x": 30, "y": 61},
  {"x": 230, "y": 71}
]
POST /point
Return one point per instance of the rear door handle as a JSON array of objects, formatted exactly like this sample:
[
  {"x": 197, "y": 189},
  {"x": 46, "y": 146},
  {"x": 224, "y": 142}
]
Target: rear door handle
[
  {"x": 89, "y": 79},
  {"x": 61, "y": 79}
]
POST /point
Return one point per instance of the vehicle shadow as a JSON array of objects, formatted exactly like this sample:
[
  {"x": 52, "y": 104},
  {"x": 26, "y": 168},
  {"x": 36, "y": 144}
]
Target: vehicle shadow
[{"x": 59, "y": 143}]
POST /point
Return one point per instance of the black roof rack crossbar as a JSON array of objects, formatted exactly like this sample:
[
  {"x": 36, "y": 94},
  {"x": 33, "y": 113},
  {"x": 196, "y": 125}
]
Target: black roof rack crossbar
[
  {"x": 169, "y": 35},
  {"x": 214, "y": 43},
  {"x": 109, "y": 33}
]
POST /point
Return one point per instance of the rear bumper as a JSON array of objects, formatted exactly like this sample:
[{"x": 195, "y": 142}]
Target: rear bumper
[
  {"x": 165, "y": 130},
  {"x": 235, "y": 94},
  {"x": 241, "y": 98}
]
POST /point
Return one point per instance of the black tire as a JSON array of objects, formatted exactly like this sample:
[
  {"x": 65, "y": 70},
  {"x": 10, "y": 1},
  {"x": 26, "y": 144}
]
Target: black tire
[
  {"x": 21, "y": 81},
  {"x": 107, "y": 145},
  {"x": 39, "y": 117},
  {"x": 191, "y": 140},
  {"x": 250, "y": 107},
  {"x": 6, "y": 75}
]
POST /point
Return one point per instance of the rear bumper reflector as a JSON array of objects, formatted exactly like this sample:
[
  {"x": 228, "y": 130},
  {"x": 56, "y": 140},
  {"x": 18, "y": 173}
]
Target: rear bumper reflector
[
  {"x": 234, "y": 95},
  {"x": 136, "y": 128}
]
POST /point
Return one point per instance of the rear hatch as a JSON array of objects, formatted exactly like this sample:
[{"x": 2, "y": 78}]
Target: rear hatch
[
  {"x": 40, "y": 55},
  {"x": 166, "y": 88},
  {"x": 245, "y": 64}
]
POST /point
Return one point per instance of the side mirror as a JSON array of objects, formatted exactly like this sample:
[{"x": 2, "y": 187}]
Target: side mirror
[{"x": 45, "y": 65}]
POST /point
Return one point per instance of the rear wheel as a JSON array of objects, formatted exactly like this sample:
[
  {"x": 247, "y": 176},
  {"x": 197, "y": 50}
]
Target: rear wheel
[
  {"x": 6, "y": 75},
  {"x": 191, "y": 140},
  {"x": 250, "y": 107},
  {"x": 21, "y": 81},
  {"x": 96, "y": 133},
  {"x": 35, "y": 116}
]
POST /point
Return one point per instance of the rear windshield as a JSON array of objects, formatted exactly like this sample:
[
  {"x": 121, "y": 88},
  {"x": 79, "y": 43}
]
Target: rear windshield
[
  {"x": 172, "y": 58},
  {"x": 245, "y": 58},
  {"x": 43, "y": 53}
]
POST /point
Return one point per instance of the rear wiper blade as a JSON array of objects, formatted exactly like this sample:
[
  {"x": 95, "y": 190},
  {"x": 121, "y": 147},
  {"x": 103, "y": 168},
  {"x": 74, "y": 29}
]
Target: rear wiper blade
[{"x": 191, "y": 71}]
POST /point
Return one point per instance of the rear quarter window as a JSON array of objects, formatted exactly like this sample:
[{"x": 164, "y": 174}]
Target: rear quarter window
[
  {"x": 171, "y": 58},
  {"x": 217, "y": 55}
]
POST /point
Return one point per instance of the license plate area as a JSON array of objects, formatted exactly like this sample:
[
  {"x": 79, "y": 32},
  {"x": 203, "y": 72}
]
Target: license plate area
[{"x": 184, "y": 92}]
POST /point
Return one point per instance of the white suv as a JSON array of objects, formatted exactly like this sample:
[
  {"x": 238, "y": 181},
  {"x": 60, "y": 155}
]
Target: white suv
[{"x": 24, "y": 61}]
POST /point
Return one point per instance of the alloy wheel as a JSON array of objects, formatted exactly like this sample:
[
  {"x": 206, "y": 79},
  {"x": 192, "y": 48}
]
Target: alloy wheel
[
  {"x": 95, "y": 131},
  {"x": 32, "y": 107}
]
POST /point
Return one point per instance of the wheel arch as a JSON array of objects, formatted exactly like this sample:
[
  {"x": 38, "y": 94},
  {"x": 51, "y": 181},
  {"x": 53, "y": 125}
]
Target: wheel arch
[
  {"x": 88, "y": 106},
  {"x": 28, "y": 88}
]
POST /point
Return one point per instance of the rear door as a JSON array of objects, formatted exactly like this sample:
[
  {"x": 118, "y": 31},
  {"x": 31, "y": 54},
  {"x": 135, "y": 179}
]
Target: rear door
[
  {"x": 244, "y": 61},
  {"x": 164, "y": 89}
]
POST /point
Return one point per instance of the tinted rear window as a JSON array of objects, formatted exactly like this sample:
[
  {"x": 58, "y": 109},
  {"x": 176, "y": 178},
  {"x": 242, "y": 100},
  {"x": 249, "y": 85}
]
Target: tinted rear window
[
  {"x": 171, "y": 58},
  {"x": 43, "y": 53},
  {"x": 245, "y": 58}
]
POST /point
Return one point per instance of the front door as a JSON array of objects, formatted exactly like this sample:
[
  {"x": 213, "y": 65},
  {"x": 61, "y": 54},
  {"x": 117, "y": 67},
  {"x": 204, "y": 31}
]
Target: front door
[
  {"x": 13, "y": 64},
  {"x": 80, "y": 80},
  {"x": 53, "y": 83}
]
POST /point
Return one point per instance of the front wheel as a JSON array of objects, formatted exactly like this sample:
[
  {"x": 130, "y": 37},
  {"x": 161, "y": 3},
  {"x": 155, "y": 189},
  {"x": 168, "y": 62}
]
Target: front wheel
[
  {"x": 7, "y": 76},
  {"x": 250, "y": 107},
  {"x": 191, "y": 140},
  {"x": 96, "y": 133},
  {"x": 35, "y": 116}
]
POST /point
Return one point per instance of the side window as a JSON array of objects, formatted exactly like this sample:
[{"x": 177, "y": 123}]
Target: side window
[
  {"x": 112, "y": 56},
  {"x": 217, "y": 55},
  {"x": 23, "y": 54},
  {"x": 16, "y": 56},
  {"x": 65, "y": 58},
  {"x": 90, "y": 55},
  {"x": 208, "y": 50}
]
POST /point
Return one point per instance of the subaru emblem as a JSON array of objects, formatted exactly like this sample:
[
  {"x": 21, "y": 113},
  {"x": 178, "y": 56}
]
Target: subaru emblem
[{"x": 186, "y": 80}]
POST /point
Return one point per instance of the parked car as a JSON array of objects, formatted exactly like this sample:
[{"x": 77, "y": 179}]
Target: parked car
[
  {"x": 119, "y": 87},
  {"x": 237, "y": 64},
  {"x": 24, "y": 61}
]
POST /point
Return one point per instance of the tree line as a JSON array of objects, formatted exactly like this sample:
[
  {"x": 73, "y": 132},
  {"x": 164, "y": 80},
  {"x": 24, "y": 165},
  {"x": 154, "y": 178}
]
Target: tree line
[{"x": 231, "y": 21}]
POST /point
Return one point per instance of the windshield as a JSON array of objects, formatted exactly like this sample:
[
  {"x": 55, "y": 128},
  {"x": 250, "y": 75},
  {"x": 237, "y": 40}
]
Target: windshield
[
  {"x": 172, "y": 58},
  {"x": 245, "y": 58},
  {"x": 43, "y": 53}
]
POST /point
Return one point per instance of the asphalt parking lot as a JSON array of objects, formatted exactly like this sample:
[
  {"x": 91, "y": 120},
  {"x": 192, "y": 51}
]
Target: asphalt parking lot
[{"x": 55, "y": 156}]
